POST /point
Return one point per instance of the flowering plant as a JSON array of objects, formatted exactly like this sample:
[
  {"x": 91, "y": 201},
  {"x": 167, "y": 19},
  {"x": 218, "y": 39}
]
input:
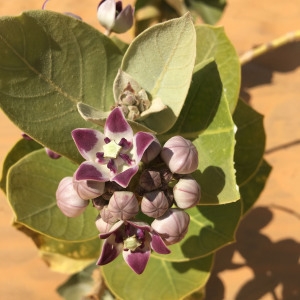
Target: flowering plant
[{"x": 155, "y": 156}]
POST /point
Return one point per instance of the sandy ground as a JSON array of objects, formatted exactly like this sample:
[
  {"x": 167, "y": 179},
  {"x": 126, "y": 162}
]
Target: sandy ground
[{"x": 264, "y": 263}]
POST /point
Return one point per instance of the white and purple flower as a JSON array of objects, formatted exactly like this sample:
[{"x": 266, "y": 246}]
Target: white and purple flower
[
  {"x": 113, "y": 155},
  {"x": 134, "y": 239}
]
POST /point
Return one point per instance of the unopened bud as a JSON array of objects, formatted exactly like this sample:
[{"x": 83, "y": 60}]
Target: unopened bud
[
  {"x": 172, "y": 226},
  {"x": 180, "y": 155},
  {"x": 186, "y": 192},
  {"x": 150, "y": 180},
  {"x": 89, "y": 189},
  {"x": 107, "y": 216},
  {"x": 123, "y": 205},
  {"x": 68, "y": 200},
  {"x": 152, "y": 152},
  {"x": 154, "y": 204}
]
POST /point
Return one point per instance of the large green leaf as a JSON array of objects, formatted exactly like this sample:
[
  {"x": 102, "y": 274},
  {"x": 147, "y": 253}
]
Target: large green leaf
[
  {"x": 32, "y": 183},
  {"x": 160, "y": 280},
  {"x": 212, "y": 42},
  {"x": 209, "y": 10},
  {"x": 48, "y": 63},
  {"x": 251, "y": 189},
  {"x": 201, "y": 103},
  {"x": 216, "y": 173},
  {"x": 211, "y": 227},
  {"x": 250, "y": 141},
  {"x": 20, "y": 149},
  {"x": 161, "y": 60}
]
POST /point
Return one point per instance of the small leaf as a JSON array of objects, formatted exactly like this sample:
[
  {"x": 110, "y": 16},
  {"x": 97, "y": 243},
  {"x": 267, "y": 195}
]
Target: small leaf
[
  {"x": 209, "y": 10},
  {"x": 216, "y": 173},
  {"x": 160, "y": 280},
  {"x": 32, "y": 183},
  {"x": 48, "y": 63},
  {"x": 161, "y": 60},
  {"x": 250, "y": 141},
  {"x": 20, "y": 149},
  {"x": 212, "y": 42}
]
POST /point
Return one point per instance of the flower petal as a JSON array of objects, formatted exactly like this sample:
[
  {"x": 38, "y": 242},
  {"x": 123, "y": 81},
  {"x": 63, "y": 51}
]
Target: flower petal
[
  {"x": 124, "y": 178},
  {"x": 138, "y": 259},
  {"x": 124, "y": 20},
  {"x": 158, "y": 245},
  {"x": 110, "y": 250},
  {"x": 113, "y": 229},
  {"x": 141, "y": 141},
  {"x": 91, "y": 171},
  {"x": 116, "y": 127},
  {"x": 88, "y": 142}
]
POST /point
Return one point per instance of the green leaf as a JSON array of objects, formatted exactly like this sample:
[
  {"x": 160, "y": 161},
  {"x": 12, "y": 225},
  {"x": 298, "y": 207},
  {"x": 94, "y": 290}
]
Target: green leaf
[
  {"x": 63, "y": 256},
  {"x": 160, "y": 280},
  {"x": 48, "y": 63},
  {"x": 250, "y": 141},
  {"x": 211, "y": 227},
  {"x": 20, "y": 149},
  {"x": 201, "y": 103},
  {"x": 209, "y": 10},
  {"x": 216, "y": 173},
  {"x": 212, "y": 42},
  {"x": 161, "y": 60},
  {"x": 32, "y": 183},
  {"x": 251, "y": 189}
]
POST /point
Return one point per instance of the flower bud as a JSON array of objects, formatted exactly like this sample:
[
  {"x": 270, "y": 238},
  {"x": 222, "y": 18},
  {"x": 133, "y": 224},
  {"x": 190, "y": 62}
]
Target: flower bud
[
  {"x": 154, "y": 204},
  {"x": 107, "y": 216},
  {"x": 99, "y": 202},
  {"x": 68, "y": 200},
  {"x": 180, "y": 155},
  {"x": 152, "y": 152},
  {"x": 186, "y": 192},
  {"x": 123, "y": 205},
  {"x": 102, "y": 226},
  {"x": 88, "y": 189},
  {"x": 150, "y": 180},
  {"x": 113, "y": 17},
  {"x": 52, "y": 154},
  {"x": 172, "y": 226}
]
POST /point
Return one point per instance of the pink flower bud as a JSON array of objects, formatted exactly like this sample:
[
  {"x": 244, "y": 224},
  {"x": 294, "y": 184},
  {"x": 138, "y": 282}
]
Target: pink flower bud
[
  {"x": 102, "y": 226},
  {"x": 150, "y": 180},
  {"x": 154, "y": 204},
  {"x": 107, "y": 216},
  {"x": 180, "y": 155},
  {"x": 172, "y": 226},
  {"x": 186, "y": 192},
  {"x": 88, "y": 189},
  {"x": 123, "y": 205},
  {"x": 152, "y": 152},
  {"x": 68, "y": 200}
]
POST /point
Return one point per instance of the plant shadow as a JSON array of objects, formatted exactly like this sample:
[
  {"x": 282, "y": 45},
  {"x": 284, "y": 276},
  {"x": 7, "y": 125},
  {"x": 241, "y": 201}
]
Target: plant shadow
[{"x": 272, "y": 263}]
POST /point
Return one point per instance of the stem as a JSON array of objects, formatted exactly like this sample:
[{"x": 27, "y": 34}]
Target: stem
[{"x": 265, "y": 48}]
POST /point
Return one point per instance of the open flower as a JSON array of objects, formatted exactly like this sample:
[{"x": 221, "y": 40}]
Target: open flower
[
  {"x": 135, "y": 239},
  {"x": 114, "y": 155},
  {"x": 113, "y": 17}
]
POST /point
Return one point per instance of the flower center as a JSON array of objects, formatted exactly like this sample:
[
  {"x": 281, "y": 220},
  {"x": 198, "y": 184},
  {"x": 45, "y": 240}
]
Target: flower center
[
  {"x": 111, "y": 149},
  {"x": 131, "y": 243}
]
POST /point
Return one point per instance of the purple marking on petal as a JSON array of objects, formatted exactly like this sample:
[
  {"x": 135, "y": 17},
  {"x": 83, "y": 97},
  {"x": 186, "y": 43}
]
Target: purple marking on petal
[
  {"x": 137, "y": 260},
  {"x": 140, "y": 225},
  {"x": 116, "y": 127},
  {"x": 126, "y": 158},
  {"x": 158, "y": 245},
  {"x": 86, "y": 139},
  {"x": 141, "y": 141},
  {"x": 113, "y": 229},
  {"x": 112, "y": 166},
  {"x": 110, "y": 251},
  {"x": 124, "y": 178},
  {"x": 100, "y": 157},
  {"x": 107, "y": 140},
  {"x": 125, "y": 144},
  {"x": 87, "y": 171}
]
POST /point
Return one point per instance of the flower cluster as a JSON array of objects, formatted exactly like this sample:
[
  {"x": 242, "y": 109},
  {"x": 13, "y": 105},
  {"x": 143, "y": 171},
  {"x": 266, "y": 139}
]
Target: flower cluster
[{"x": 126, "y": 176}]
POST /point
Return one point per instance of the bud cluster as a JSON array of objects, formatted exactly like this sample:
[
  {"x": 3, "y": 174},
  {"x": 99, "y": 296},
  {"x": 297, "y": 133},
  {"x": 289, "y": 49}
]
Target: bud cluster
[{"x": 161, "y": 190}]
